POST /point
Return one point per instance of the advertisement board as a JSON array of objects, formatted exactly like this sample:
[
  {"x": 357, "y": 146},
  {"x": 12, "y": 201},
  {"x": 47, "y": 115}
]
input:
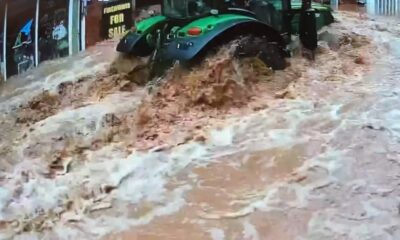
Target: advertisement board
[{"x": 116, "y": 19}]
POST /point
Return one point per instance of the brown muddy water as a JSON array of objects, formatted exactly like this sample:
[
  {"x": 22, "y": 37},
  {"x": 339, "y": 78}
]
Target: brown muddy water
[{"x": 319, "y": 160}]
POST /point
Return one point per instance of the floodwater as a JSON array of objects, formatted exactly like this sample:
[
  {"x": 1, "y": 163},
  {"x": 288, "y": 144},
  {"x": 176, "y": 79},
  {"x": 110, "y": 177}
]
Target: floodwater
[{"x": 323, "y": 163}]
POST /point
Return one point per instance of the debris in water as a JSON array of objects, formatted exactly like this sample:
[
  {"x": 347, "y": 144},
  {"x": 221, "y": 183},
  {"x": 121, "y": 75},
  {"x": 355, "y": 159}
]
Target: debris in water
[
  {"x": 372, "y": 127},
  {"x": 225, "y": 215},
  {"x": 282, "y": 93},
  {"x": 334, "y": 78},
  {"x": 65, "y": 167},
  {"x": 159, "y": 148},
  {"x": 360, "y": 60},
  {"x": 71, "y": 216},
  {"x": 39, "y": 108},
  {"x": 100, "y": 206},
  {"x": 200, "y": 138}
]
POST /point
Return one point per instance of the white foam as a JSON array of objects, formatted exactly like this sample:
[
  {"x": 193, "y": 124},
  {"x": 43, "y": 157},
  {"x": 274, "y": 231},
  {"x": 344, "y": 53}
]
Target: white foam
[
  {"x": 250, "y": 231},
  {"x": 5, "y": 197},
  {"x": 221, "y": 137},
  {"x": 217, "y": 234}
]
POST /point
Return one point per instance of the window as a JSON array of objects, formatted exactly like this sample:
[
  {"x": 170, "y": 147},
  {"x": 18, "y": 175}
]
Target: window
[
  {"x": 53, "y": 29},
  {"x": 20, "y": 36}
]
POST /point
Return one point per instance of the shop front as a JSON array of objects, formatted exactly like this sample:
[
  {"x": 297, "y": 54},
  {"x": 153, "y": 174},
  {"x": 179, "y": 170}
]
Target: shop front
[{"x": 34, "y": 31}]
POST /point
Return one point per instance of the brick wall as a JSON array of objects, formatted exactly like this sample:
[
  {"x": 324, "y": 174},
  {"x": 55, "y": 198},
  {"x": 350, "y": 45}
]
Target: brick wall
[{"x": 93, "y": 23}]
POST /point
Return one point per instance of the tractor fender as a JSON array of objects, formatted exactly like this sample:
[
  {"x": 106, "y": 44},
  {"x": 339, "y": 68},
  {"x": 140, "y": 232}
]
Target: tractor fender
[
  {"x": 188, "y": 48},
  {"x": 135, "y": 42}
]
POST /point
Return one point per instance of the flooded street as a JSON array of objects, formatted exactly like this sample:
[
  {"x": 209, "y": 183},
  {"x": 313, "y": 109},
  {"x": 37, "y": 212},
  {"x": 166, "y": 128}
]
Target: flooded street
[{"x": 311, "y": 153}]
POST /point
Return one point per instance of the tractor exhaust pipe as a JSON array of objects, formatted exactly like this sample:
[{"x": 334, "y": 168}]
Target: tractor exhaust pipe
[{"x": 308, "y": 27}]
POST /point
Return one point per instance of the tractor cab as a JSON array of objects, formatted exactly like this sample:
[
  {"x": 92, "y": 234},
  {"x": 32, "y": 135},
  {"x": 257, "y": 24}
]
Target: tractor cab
[
  {"x": 192, "y": 9},
  {"x": 275, "y": 13},
  {"x": 185, "y": 9}
]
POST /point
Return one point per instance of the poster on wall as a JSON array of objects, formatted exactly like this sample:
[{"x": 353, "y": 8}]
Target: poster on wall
[
  {"x": 23, "y": 48},
  {"x": 116, "y": 18}
]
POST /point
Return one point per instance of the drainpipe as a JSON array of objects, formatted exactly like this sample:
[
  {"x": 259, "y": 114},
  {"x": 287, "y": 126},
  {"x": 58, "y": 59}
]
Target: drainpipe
[
  {"x": 70, "y": 22},
  {"x": 37, "y": 33},
  {"x": 83, "y": 24},
  {"x": 5, "y": 43}
]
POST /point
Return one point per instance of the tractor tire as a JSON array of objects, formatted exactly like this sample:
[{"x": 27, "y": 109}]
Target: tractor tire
[{"x": 267, "y": 52}]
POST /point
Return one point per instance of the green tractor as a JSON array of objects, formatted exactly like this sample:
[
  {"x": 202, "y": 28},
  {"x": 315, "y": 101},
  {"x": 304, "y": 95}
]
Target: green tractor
[{"x": 187, "y": 30}]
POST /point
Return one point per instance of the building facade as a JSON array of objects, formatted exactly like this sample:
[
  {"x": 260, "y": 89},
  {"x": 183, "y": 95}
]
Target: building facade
[{"x": 34, "y": 31}]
